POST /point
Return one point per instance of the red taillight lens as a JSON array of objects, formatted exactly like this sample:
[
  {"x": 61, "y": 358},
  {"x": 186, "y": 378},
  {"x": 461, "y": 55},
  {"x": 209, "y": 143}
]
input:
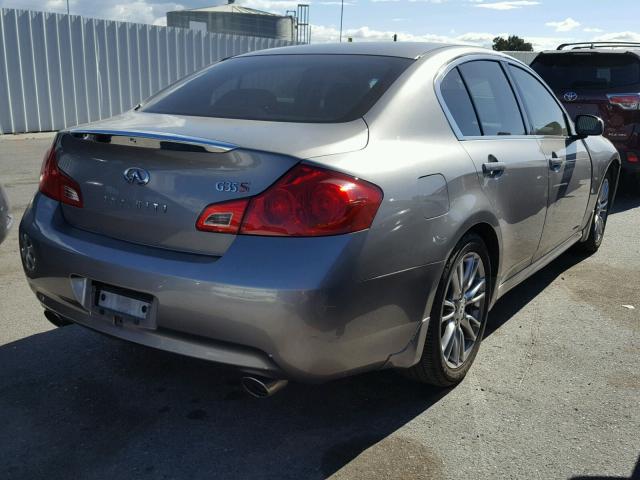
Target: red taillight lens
[
  {"x": 222, "y": 217},
  {"x": 56, "y": 184},
  {"x": 306, "y": 202},
  {"x": 632, "y": 157},
  {"x": 626, "y": 101},
  {"x": 311, "y": 201}
]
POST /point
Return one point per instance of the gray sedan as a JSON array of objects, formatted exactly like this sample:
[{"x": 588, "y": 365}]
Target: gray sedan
[
  {"x": 5, "y": 215},
  {"x": 316, "y": 211}
]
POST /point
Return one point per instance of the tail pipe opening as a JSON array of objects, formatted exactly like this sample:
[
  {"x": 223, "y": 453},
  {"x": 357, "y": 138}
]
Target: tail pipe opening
[
  {"x": 56, "y": 319},
  {"x": 262, "y": 387}
]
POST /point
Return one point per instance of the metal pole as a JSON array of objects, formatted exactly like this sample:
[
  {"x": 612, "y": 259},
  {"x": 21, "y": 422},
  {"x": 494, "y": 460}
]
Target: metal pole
[{"x": 341, "y": 15}]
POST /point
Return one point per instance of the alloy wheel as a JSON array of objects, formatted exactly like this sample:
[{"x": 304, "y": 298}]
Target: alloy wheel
[
  {"x": 600, "y": 216},
  {"x": 463, "y": 309}
]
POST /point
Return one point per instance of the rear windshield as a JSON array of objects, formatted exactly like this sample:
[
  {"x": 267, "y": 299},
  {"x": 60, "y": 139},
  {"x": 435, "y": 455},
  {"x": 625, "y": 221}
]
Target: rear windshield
[
  {"x": 596, "y": 71},
  {"x": 285, "y": 88}
]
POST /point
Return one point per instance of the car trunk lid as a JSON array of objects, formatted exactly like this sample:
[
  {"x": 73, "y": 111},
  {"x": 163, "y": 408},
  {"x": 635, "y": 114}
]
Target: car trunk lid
[
  {"x": 619, "y": 123},
  {"x": 148, "y": 186},
  {"x": 587, "y": 81}
]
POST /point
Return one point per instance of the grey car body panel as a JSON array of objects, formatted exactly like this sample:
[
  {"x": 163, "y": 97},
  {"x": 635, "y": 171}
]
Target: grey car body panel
[
  {"x": 291, "y": 302},
  {"x": 401, "y": 49},
  {"x": 165, "y": 210},
  {"x": 6, "y": 220},
  {"x": 318, "y": 308},
  {"x": 295, "y": 139}
]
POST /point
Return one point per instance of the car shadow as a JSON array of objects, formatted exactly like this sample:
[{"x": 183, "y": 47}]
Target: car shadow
[
  {"x": 516, "y": 299},
  {"x": 625, "y": 200},
  {"x": 75, "y": 404},
  {"x": 635, "y": 475}
]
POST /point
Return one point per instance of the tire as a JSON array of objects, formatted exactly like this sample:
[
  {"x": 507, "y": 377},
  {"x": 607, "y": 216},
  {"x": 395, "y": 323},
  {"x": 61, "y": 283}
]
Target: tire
[
  {"x": 599, "y": 218},
  {"x": 439, "y": 366}
]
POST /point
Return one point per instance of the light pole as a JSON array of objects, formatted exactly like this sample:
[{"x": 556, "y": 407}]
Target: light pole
[
  {"x": 67, "y": 7},
  {"x": 341, "y": 15}
]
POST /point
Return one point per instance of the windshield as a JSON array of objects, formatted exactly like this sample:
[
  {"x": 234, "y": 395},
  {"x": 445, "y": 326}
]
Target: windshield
[
  {"x": 588, "y": 70},
  {"x": 286, "y": 88}
]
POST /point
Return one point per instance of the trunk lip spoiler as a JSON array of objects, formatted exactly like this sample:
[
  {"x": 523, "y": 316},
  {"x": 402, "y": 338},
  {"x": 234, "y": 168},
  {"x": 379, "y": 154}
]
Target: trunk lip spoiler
[{"x": 212, "y": 146}]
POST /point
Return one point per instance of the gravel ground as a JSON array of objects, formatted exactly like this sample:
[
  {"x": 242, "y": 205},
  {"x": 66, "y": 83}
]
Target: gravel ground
[{"x": 554, "y": 392}]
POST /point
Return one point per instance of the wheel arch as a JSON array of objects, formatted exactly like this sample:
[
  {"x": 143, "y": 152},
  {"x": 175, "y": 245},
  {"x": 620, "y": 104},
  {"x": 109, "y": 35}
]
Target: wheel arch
[
  {"x": 616, "y": 165},
  {"x": 487, "y": 227}
]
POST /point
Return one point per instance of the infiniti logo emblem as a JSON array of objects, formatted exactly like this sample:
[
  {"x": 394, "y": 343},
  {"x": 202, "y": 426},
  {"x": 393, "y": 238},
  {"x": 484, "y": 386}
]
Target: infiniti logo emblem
[
  {"x": 571, "y": 96},
  {"x": 136, "y": 175}
]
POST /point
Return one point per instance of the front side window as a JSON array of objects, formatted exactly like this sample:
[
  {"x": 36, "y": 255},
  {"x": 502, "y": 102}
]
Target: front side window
[
  {"x": 493, "y": 98},
  {"x": 284, "y": 88},
  {"x": 546, "y": 116},
  {"x": 457, "y": 101}
]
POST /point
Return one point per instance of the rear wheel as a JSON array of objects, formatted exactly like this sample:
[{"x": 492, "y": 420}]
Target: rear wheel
[
  {"x": 458, "y": 316},
  {"x": 599, "y": 218}
]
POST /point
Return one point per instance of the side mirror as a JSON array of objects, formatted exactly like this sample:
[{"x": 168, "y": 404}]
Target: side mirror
[{"x": 589, "y": 125}]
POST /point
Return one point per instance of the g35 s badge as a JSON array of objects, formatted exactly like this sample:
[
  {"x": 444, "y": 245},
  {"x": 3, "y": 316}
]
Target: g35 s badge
[{"x": 239, "y": 187}]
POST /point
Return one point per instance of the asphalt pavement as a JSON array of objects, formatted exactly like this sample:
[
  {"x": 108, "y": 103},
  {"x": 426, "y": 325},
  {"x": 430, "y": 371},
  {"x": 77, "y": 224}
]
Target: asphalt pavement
[{"x": 554, "y": 392}]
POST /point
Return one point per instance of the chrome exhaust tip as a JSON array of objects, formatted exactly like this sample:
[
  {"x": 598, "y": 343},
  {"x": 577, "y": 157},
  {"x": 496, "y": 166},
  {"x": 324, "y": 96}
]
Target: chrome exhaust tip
[
  {"x": 262, "y": 387},
  {"x": 56, "y": 319}
]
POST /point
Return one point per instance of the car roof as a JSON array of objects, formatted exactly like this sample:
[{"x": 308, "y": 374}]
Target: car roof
[
  {"x": 597, "y": 47},
  {"x": 389, "y": 49}
]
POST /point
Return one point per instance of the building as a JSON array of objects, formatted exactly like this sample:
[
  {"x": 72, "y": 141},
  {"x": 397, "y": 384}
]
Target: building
[{"x": 237, "y": 20}]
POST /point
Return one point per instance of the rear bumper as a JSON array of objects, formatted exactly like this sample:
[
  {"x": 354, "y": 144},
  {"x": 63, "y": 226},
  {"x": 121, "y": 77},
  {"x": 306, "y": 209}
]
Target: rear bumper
[
  {"x": 282, "y": 307},
  {"x": 624, "y": 150},
  {"x": 5, "y": 225}
]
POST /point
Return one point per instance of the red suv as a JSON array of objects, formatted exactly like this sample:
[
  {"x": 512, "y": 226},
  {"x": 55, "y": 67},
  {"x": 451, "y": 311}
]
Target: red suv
[{"x": 603, "y": 79}]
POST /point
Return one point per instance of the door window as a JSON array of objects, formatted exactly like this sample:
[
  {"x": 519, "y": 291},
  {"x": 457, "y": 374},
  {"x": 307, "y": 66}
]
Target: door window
[
  {"x": 493, "y": 98},
  {"x": 457, "y": 101},
  {"x": 545, "y": 114}
]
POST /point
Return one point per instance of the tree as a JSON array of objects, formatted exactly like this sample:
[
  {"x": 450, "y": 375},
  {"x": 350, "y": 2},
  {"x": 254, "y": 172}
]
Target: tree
[{"x": 511, "y": 44}]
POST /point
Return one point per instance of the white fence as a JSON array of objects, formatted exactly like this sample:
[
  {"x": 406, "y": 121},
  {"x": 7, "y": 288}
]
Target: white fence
[{"x": 59, "y": 70}]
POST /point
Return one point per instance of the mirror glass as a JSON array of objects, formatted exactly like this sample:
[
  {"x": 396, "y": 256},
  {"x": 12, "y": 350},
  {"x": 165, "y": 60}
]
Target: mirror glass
[{"x": 588, "y": 125}]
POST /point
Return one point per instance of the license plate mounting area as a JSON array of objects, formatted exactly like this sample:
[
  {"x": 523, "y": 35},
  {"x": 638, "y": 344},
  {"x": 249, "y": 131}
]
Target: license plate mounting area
[{"x": 124, "y": 307}]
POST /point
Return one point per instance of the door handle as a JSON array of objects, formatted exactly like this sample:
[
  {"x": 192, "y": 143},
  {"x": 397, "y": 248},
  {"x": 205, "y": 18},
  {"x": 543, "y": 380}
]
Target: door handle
[
  {"x": 493, "y": 169},
  {"x": 555, "y": 162}
]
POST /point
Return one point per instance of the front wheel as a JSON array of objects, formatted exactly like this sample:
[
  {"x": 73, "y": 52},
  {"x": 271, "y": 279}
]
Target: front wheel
[
  {"x": 458, "y": 315},
  {"x": 599, "y": 218}
]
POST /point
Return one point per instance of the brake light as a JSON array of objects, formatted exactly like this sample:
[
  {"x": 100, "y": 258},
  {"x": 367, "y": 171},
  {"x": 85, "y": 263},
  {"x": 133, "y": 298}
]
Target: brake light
[
  {"x": 54, "y": 183},
  {"x": 632, "y": 157},
  {"x": 306, "y": 202},
  {"x": 627, "y": 101}
]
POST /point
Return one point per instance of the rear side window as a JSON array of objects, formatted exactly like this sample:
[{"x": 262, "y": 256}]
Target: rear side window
[
  {"x": 493, "y": 98},
  {"x": 457, "y": 100},
  {"x": 592, "y": 71},
  {"x": 286, "y": 88},
  {"x": 546, "y": 116}
]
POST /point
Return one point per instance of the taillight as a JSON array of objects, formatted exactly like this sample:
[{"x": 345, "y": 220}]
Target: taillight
[
  {"x": 632, "y": 157},
  {"x": 56, "y": 184},
  {"x": 222, "y": 217},
  {"x": 627, "y": 101},
  {"x": 306, "y": 202}
]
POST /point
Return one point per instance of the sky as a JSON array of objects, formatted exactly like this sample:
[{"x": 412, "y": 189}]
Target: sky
[{"x": 544, "y": 23}]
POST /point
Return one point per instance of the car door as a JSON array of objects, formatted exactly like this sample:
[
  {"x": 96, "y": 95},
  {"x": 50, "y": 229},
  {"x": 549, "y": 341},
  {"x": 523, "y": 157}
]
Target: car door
[
  {"x": 511, "y": 167},
  {"x": 569, "y": 162}
]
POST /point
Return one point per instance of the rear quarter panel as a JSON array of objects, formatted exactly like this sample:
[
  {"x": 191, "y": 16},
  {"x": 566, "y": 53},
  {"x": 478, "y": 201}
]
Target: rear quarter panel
[{"x": 410, "y": 140}]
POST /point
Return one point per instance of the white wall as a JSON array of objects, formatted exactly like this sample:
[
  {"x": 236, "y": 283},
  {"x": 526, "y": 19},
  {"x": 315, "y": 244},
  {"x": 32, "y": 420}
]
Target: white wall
[{"x": 58, "y": 71}]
